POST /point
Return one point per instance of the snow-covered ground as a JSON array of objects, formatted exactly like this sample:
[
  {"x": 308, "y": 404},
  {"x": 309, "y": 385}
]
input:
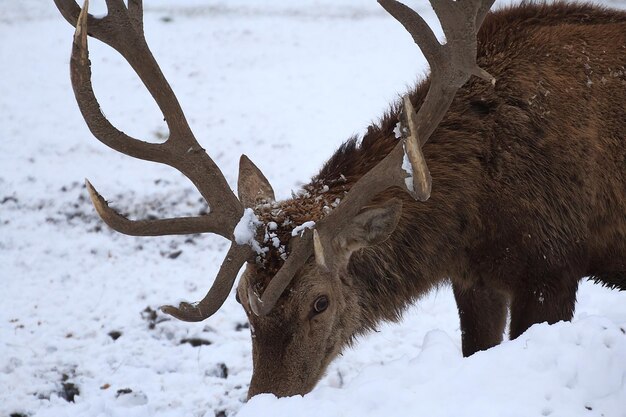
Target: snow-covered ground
[{"x": 284, "y": 83}]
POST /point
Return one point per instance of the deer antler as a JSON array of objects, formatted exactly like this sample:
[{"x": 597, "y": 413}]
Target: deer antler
[
  {"x": 122, "y": 29},
  {"x": 452, "y": 64}
]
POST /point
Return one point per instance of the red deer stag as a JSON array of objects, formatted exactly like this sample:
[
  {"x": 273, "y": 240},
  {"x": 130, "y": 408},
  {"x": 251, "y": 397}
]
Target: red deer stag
[{"x": 529, "y": 193}]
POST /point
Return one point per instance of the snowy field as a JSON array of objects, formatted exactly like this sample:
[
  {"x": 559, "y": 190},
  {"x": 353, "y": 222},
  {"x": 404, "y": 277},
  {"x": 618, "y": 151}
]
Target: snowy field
[{"x": 285, "y": 83}]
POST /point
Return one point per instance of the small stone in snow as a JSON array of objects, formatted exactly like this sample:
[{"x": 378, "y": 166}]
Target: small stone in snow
[
  {"x": 195, "y": 341},
  {"x": 115, "y": 334}
]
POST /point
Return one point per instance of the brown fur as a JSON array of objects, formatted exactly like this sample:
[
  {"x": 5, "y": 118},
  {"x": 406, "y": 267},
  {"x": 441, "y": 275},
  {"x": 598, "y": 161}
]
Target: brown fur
[{"x": 529, "y": 196}]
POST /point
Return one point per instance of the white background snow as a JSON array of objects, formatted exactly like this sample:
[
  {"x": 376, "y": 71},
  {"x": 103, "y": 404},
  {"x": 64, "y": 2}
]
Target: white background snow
[{"x": 284, "y": 83}]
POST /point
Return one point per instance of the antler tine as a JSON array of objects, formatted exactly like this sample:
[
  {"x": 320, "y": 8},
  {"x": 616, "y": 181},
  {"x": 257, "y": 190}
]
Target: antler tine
[
  {"x": 156, "y": 227},
  {"x": 135, "y": 10},
  {"x": 414, "y": 24},
  {"x": 102, "y": 129},
  {"x": 236, "y": 257}
]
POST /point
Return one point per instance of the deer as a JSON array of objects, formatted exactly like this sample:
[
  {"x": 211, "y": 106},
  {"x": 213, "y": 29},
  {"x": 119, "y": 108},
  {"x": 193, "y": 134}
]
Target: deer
[{"x": 502, "y": 173}]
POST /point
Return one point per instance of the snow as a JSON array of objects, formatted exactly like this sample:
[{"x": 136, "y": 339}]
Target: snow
[
  {"x": 268, "y": 79},
  {"x": 397, "y": 130},
  {"x": 549, "y": 371},
  {"x": 299, "y": 230},
  {"x": 408, "y": 168},
  {"x": 245, "y": 230}
]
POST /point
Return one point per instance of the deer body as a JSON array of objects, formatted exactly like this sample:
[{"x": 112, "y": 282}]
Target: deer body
[
  {"x": 529, "y": 189},
  {"x": 528, "y": 196}
]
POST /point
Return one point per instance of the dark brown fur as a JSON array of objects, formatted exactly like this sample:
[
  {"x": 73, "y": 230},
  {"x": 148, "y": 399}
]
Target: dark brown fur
[{"x": 528, "y": 197}]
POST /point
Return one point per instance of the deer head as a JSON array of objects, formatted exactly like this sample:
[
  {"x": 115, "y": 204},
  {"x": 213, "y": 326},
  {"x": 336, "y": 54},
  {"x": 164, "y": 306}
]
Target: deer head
[
  {"x": 295, "y": 290},
  {"x": 319, "y": 313}
]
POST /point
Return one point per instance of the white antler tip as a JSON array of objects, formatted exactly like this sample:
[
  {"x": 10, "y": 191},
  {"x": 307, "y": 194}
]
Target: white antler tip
[{"x": 91, "y": 190}]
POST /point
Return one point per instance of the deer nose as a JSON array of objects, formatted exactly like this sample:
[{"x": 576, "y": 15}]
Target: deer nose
[{"x": 278, "y": 388}]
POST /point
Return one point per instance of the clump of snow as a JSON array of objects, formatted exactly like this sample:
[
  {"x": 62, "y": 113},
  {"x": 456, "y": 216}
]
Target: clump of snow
[
  {"x": 283, "y": 252},
  {"x": 301, "y": 193},
  {"x": 299, "y": 230},
  {"x": 400, "y": 131},
  {"x": 397, "y": 130},
  {"x": 408, "y": 168},
  {"x": 271, "y": 236},
  {"x": 245, "y": 231}
]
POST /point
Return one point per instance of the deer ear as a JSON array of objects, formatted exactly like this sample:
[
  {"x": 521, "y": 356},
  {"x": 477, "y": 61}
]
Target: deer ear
[
  {"x": 252, "y": 186},
  {"x": 370, "y": 227}
]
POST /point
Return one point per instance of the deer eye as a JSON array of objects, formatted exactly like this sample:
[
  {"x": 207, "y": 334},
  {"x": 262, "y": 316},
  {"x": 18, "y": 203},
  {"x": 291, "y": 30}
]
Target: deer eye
[{"x": 320, "y": 304}]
